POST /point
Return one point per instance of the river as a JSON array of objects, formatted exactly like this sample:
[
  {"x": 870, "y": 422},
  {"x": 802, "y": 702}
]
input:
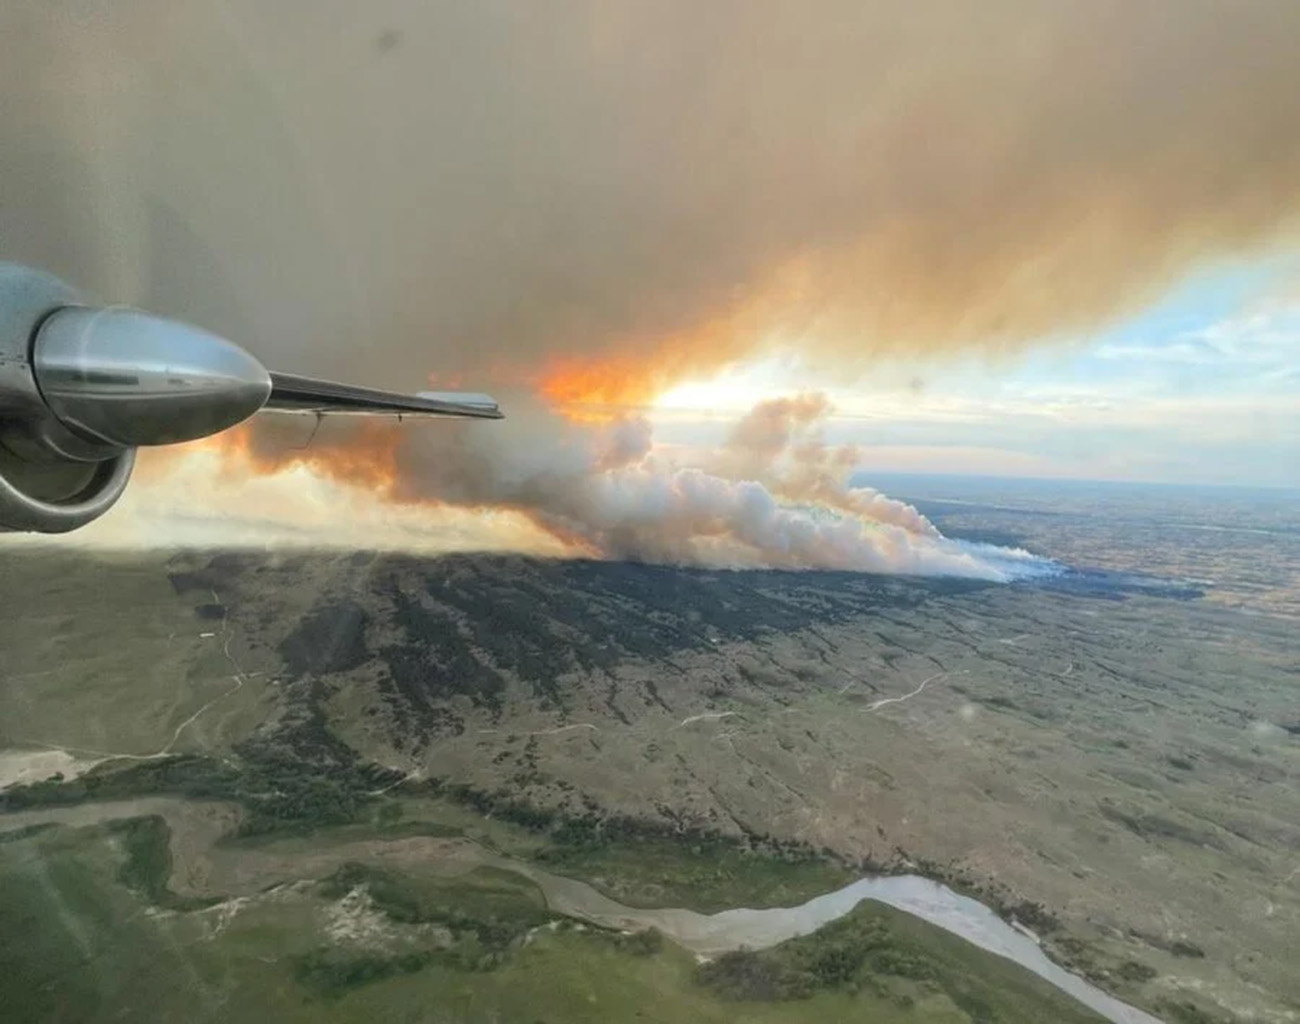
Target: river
[
  {"x": 199, "y": 862},
  {"x": 710, "y": 934}
]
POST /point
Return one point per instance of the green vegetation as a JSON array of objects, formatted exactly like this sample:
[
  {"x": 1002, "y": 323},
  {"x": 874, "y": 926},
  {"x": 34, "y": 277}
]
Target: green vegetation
[
  {"x": 300, "y": 779},
  {"x": 649, "y": 863},
  {"x": 707, "y": 875},
  {"x": 329, "y": 973},
  {"x": 643, "y": 943},
  {"x": 147, "y": 866},
  {"x": 873, "y": 968},
  {"x": 278, "y": 793},
  {"x": 486, "y": 910},
  {"x": 469, "y": 943},
  {"x": 384, "y": 818},
  {"x": 73, "y": 943},
  {"x": 888, "y": 955},
  {"x": 1132, "y": 970},
  {"x": 19, "y": 834},
  {"x": 1186, "y": 1013},
  {"x": 479, "y": 920},
  {"x": 571, "y": 976},
  {"x": 303, "y": 783}
]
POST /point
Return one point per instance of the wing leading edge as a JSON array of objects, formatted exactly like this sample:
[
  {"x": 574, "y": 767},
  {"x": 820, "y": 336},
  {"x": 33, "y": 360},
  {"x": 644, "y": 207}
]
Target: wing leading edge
[{"x": 291, "y": 393}]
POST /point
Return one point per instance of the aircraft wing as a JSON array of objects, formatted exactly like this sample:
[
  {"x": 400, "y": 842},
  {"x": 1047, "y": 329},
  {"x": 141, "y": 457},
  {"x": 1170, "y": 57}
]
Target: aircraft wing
[
  {"x": 82, "y": 387},
  {"x": 291, "y": 393}
]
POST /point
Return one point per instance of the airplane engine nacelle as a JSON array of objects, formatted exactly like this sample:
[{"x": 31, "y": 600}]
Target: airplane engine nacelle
[
  {"x": 81, "y": 387},
  {"x": 59, "y": 495},
  {"x": 51, "y": 480}
]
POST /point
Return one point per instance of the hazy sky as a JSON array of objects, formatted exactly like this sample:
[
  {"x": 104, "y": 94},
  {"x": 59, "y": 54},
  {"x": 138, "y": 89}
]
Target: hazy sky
[{"x": 1202, "y": 387}]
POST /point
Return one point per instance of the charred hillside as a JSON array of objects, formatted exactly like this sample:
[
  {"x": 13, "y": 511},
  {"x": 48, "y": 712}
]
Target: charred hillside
[{"x": 470, "y": 631}]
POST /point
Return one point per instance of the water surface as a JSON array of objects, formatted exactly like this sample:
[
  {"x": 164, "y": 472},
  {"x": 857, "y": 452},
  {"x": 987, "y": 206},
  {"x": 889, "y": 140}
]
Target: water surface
[{"x": 711, "y": 934}]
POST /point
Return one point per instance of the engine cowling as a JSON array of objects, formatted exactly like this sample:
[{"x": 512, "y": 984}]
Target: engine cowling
[
  {"x": 81, "y": 387},
  {"x": 61, "y": 494},
  {"x": 51, "y": 480}
]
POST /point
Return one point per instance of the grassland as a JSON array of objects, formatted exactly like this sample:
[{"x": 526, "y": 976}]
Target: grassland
[
  {"x": 84, "y": 675},
  {"x": 79, "y": 942},
  {"x": 705, "y": 875},
  {"x": 1117, "y": 769},
  {"x": 75, "y": 942}
]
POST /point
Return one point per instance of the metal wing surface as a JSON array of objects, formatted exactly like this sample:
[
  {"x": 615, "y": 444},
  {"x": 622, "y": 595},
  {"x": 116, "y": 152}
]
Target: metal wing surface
[{"x": 291, "y": 393}]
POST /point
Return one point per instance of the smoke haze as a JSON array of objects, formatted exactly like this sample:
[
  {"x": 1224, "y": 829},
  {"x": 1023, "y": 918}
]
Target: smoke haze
[{"x": 591, "y": 200}]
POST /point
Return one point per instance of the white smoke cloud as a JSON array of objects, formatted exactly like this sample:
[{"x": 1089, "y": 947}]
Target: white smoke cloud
[{"x": 774, "y": 495}]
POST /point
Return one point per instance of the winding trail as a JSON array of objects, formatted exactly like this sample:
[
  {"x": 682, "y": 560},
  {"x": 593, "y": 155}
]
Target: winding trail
[
  {"x": 544, "y": 732},
  {"x": 414, "y": 775},
  {"x": 239, "y": 677},
  {"x": 565, "y": 728},
  {"x": 876, "y": 705},
  {"x": 708, "y": 716}
]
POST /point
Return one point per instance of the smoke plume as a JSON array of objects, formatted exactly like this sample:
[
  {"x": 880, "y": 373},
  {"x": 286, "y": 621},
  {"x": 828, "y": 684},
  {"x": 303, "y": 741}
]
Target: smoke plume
[
  {"x": 589, "y": 200},
  {"x": 773, "y": 495}
]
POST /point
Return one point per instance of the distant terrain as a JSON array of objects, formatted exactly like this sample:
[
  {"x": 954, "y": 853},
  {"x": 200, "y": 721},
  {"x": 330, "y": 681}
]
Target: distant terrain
[
  {"x": 1239, "y": 547},
  {"x": 288, "y": 775}
]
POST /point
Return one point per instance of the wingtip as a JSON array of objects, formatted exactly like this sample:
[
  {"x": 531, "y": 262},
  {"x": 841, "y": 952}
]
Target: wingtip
[{"x": 474, "y": 399}]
